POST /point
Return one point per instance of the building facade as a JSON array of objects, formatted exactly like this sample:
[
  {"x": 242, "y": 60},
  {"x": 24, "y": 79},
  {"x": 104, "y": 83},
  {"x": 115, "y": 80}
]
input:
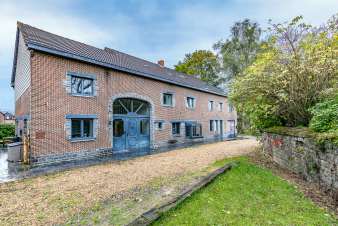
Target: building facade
[
  {"x": 72, "y": 99},
  {"x": 7, "y": 118}
]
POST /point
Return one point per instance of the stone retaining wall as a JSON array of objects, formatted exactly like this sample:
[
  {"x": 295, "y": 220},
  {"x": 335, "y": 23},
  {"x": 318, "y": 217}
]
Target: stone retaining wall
[{"x": 316, "y": 163}]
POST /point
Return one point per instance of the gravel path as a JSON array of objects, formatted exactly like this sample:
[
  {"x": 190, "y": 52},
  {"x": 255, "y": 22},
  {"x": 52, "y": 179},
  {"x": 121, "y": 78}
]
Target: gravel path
[{"x": 54, "y": 198}]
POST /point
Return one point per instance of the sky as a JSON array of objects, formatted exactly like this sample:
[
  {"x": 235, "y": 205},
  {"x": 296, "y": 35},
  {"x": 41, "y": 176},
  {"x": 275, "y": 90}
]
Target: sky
[{"x": 149, "y": 29}]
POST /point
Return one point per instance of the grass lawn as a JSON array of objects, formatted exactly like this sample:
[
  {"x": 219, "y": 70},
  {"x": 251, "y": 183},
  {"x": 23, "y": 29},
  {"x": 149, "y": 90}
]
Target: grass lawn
[{"x": 247, "y": 195}]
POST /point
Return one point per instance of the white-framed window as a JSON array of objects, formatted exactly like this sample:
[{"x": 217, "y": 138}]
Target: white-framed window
[
  {"x": 220, "y": 106},
  {"x": 168, "y": 99},
  {"x": 211, "y": 105},
  {"x": 191, "y": 102},
  {"x": 230, "y": 107}
]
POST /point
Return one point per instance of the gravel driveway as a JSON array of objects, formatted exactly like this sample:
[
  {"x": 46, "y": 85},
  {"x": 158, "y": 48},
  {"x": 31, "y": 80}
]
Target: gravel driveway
[{"x": 56, "y": 197}]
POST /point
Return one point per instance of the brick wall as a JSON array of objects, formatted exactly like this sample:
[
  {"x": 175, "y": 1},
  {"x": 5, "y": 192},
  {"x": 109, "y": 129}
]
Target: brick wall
[{"x": 50, "y": 102}]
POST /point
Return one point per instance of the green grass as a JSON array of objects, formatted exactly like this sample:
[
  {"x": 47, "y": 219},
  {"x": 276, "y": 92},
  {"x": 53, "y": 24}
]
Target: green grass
[{"x": 247, "y": 195}]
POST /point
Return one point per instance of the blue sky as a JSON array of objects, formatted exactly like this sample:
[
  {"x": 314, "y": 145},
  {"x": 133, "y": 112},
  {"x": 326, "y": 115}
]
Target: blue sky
[{"x": 148, "y": 29}]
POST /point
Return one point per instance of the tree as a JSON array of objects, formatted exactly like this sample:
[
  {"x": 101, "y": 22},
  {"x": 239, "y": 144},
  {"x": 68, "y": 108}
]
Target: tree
[
  {"x": 201, "y": 63},
  {"x": 295, "y": 67},
  {"x": 238, "y": 52}
]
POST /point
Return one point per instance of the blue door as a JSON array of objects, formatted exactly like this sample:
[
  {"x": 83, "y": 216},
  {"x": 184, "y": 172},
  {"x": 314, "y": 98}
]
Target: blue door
[
  {"x": 131, "y": 125},
  {"x": 132, "y": 133}
]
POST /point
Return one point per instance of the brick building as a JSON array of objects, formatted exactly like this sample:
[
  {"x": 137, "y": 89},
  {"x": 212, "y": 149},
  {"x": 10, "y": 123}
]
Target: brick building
[
  {"x": 73, "y": 99},
  {"x": 6, "y": 118}
]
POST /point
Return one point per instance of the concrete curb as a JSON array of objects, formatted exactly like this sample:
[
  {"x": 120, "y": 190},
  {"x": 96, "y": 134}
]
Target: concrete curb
[{"x": 150, "y": 216}]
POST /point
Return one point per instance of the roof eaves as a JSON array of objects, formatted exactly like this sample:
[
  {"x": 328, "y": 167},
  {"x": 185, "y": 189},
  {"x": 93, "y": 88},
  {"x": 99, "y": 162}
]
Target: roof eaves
[
  {"x": 115, "y": 67},
  {"x": 15, "y": 57}
]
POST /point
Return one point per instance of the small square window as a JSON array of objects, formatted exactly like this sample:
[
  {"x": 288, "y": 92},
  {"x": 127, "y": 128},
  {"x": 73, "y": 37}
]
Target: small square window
[
  {"x": 167, "y": 99},
  {"x": 191, "y": 102},
  {"x": 159, "y": 125}
]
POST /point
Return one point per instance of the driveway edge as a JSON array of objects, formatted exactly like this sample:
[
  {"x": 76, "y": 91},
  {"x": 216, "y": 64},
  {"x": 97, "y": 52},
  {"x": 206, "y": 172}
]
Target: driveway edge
[{"x": 153, "y": 214}]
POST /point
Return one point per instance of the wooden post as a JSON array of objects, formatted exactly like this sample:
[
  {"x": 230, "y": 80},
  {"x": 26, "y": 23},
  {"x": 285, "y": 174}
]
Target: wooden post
[{"x": 26, "y": 149}]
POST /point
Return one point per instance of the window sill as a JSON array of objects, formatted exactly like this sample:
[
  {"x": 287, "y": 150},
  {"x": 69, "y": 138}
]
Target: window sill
[
  {"x": 79, "y": 95},
  {"x": 195, "y": 137},
  {"x": 167, "y": 106},
  {"x": 73, "y": 140},
  {"x": 176, "y": 135}
]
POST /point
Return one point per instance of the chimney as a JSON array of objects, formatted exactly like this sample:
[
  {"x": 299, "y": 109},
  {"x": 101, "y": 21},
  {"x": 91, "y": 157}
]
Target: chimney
[{"x": 161, "y": 63}]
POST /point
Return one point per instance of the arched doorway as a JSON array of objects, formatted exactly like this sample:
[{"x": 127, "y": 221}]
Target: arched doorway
[{"x": 131, "y": 124}]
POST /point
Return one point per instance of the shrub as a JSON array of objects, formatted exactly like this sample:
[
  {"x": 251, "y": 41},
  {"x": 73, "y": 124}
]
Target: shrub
[
  {"x": 325, "y": 116},
  {"x": 7, "y": 130}
]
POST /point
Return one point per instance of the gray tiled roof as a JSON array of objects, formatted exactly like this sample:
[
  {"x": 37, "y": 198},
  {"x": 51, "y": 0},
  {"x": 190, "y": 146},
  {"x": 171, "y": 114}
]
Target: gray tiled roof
[{"x": 47, "y": 42}]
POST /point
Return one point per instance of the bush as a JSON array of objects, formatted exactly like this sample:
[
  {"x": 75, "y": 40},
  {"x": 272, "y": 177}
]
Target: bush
[
  {"x": 7, "y": 130},
  {"x": 325, "y": 116}
]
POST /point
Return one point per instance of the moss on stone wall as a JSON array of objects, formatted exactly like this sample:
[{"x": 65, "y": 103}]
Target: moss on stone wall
[{"x": 319, "y": 138}]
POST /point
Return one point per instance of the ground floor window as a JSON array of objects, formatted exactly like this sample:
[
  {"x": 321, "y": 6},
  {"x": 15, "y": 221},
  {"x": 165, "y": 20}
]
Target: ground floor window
[
  {"x": 193, "y": 129},
  {"x": 176, "y": 128},
  {"x": 211, "y": 126},
  {"x": 82, "y": 128}
]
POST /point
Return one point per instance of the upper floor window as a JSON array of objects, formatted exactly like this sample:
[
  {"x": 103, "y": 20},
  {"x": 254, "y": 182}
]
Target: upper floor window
[
  {"x": 82, "y": 86},
  {"x": 220, "y": 106},
  {"x": 230, "y": 107},
  {"x": 211, "y": 105},
  {"x": 176, "y": 128},
  {"x": 191, "y": 102},
  {"x": 167, "y": 99}
]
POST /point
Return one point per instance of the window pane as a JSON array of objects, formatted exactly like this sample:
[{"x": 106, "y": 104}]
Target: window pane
[
  {"x": 76, "y": 85},
  {"x": 126, "y": 103},
  {"x": 118, "y": 127},
  {"x": 88, "y": 128},
  {"x": 76, "y": 128},
  {"x": 87, "y": 86},
  {"x": 144, "y": 126},
  {"x": 118, "y": 109},
  {"x": 144, "y": 110}
]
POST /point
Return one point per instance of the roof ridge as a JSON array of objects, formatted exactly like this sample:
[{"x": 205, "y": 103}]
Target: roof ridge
[
  {"x": 59, "y": 36},
  {"x": 41, "y": 40}
]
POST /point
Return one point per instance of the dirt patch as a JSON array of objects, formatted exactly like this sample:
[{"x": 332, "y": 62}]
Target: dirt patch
[
  {"x": 54, "y": 198},
  {"x": 310, "y": 190}
]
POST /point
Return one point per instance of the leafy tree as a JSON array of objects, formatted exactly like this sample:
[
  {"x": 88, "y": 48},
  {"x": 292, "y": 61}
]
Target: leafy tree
[
  {"x": 295, "y": 67},
  {"x": 6, "y": 130},
  {"x": 240, "y": 50},
  {"x": 202, "y": 63}
]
